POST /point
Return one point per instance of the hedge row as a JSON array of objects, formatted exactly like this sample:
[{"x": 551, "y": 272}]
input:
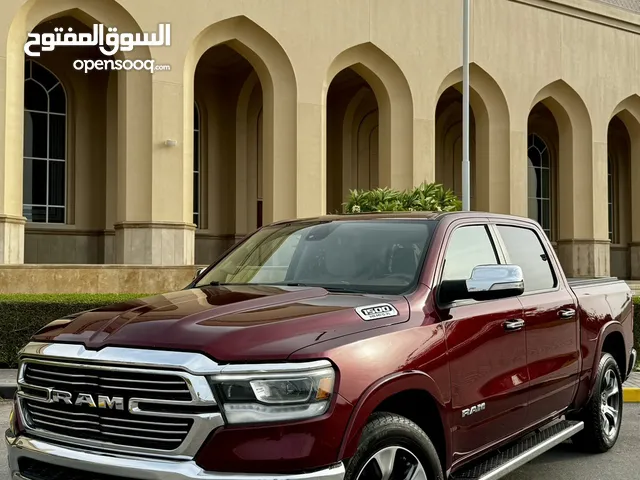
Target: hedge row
[{"x": 22, "y": 315}]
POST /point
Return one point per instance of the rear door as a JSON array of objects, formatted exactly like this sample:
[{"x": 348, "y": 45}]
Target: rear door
[
  {"x": 487, "y": 359},
  {"x": 551, "y": 322}
]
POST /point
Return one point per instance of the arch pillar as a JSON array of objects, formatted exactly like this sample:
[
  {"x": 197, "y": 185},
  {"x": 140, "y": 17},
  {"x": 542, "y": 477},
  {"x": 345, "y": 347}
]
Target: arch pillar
[
  {"x": 12, "y": 222},
  {"x": 152, "y": 227}
]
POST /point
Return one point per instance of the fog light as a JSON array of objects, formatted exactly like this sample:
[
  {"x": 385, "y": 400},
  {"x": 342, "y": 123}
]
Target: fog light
[{"x": 13, "y": 427}]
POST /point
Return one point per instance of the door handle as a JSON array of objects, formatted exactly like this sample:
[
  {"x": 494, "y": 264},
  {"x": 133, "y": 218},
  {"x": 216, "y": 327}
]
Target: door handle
[
  {"x": 514, "y": 324},
  {"x": 569, "y": 313}
]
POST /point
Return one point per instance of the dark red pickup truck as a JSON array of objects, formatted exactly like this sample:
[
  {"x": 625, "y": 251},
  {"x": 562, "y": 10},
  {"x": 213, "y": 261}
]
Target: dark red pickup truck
[{"x": 360, "y": 347}]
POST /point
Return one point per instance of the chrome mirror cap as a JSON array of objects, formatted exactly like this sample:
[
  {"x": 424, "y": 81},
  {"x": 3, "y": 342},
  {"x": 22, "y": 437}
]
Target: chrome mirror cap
[{"x": 494, "y": 278}]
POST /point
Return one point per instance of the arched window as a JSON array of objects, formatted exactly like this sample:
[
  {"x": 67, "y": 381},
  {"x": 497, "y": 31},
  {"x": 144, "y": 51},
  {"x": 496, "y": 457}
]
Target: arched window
[
  {"x": 196, "y": 165},
  {"x": 45, "y": 146},
  {"x": 539, "y": 180},
  {"x": 611, "y": 199}
]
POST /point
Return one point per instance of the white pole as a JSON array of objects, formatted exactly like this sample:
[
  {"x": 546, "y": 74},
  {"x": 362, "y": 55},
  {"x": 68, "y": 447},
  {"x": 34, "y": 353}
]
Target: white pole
[{"x": 466, "y": 182}]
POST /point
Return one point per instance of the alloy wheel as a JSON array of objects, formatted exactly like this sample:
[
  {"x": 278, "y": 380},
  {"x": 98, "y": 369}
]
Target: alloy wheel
[
  {"x": 393, "y": 463},
  {"x": 610, "y": 404}
]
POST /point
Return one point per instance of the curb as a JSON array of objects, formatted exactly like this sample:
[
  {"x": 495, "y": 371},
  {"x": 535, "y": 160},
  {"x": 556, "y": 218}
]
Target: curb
[{"x": 631, "y": 395}]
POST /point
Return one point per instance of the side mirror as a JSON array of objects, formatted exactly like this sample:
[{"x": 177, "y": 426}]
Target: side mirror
[
  {"x": 199, "y": 272},
  {"x": 487, "y": 282},
  {"x": 490, "y": 282}
]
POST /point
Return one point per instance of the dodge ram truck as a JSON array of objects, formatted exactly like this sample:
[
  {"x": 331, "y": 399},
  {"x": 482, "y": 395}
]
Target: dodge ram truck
[{"x": 388, "y": 346}]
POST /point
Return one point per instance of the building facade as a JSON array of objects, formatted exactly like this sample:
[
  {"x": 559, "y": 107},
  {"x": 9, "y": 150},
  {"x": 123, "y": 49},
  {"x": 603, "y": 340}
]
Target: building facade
[{"x": 274, "y": 109}]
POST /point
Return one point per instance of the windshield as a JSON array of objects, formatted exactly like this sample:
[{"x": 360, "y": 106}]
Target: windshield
[{"x": 382, "y": 257}]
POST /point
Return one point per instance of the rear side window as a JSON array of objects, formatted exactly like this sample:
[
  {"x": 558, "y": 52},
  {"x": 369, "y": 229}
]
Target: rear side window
[
  {"x": 469, "y": 246},
  {"x": 525, "y": 250}
]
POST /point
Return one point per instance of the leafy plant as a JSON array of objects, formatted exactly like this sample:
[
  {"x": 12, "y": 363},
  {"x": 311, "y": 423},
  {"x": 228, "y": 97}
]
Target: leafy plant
[
  {"x": 429, "y": 197},
  {"x": 22, "y": 315}
]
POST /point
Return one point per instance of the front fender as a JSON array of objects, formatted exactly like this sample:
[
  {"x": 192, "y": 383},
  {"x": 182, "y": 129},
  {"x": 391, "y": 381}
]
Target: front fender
[{"x": 382, "y": 390}]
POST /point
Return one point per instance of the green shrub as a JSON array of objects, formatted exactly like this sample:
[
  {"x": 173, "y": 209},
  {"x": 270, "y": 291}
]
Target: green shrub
[
  {"x": 427, "y": 197},
  {"x": 23, "y": 315}
]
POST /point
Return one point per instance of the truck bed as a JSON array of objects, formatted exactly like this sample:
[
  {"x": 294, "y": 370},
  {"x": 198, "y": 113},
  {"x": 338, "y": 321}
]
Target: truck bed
[{"x": 581, "y": 282}]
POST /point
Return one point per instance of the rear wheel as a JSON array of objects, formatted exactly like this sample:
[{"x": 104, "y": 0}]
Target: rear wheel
[
  {"x": 602, "y": 416},
  {"x": 394, "y": 448}
]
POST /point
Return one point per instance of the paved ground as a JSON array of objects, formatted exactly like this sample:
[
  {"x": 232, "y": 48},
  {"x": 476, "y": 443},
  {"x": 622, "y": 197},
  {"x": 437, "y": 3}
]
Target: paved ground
[
  {"x": 634, "y": 380},
  {"x": 563, "y": 462},
  {"x": 5, "y": 408},
  {"x": 7, "y": 376}
]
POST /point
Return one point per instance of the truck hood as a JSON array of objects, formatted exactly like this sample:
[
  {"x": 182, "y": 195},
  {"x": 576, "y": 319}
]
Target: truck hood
[{"x": 228, "y": 323}]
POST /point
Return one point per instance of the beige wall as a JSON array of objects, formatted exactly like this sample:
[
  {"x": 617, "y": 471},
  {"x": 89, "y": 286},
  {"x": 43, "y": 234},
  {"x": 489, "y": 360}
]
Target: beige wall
[
  {"x": 302, "y": 101},
  {"x": 65, "y": 279}
]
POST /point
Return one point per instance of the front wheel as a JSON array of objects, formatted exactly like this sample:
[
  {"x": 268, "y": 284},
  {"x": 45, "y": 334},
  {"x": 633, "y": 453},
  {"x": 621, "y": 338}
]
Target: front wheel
[
  {"x": 394, "y": 448},
  {"x": 602, "y": 416}
]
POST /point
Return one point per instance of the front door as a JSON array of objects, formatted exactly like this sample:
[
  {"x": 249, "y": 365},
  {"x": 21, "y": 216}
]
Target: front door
[
  {"x": 486, "y": 347},
  {"x": 551, "y": 324}
]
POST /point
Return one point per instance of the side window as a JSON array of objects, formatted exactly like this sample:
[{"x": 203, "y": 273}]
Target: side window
[
  {"x": 468, "y": 247},
  {"x": 525, "y": 249}
]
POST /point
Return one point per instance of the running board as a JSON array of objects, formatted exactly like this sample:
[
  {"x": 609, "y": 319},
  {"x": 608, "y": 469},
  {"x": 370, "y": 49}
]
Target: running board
[{"x": 513, "y": 456}]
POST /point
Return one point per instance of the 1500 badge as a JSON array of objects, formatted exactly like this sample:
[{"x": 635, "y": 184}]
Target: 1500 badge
[{"x": 375, "y": 312}]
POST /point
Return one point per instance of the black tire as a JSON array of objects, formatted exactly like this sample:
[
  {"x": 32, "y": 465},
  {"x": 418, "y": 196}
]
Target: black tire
[
  {"x": 387, "y": 430},
  {"x": 595, "y": 438}
]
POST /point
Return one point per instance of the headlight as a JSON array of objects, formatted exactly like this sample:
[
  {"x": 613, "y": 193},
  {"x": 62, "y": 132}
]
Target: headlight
[{"x": 275, "y": 397}]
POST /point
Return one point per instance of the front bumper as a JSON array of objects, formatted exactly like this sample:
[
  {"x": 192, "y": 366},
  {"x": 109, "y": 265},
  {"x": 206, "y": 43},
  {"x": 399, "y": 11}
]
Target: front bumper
[
  {"x": 134, "y": 467},
  {"x": 633, "y": 358}
]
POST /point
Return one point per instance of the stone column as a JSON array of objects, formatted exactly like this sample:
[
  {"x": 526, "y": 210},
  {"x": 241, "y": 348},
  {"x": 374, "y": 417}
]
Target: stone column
[
  {"x": 311, "y": 169},
  {"x": 11, "y": 135},
  {"x": 518, "y": 171},
  {"x": 155, "y": 180},
  {"x": 155, "y": 243},
  {"x": 583, "y": 245}
]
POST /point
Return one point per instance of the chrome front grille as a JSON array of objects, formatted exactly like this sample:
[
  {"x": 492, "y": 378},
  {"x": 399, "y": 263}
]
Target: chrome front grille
[
  {"x": 116, "y": 406},
  {"x": 121, "y": 428},
  {"x": 121, "y": 383}
]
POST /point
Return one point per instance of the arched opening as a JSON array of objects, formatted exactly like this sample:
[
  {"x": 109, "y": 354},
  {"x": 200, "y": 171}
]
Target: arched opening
[
  {"x": 568, "y": 195},
  {"x": 228, "y": 63},
  {"x": 102, "y": 103},
  {"x": 228, "y": 145},
  {"x": 491, "y": 179},
  {"x": 246, "y": 89},
  {"x": 619, "y": 187},
  {"x": 369, "y": 124},
  {"x": 542, "y": 148},
  {"x": 449, "y": 144},
  {"x": 65, "y": 152},
  {"x": 352, "y": 138}
]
